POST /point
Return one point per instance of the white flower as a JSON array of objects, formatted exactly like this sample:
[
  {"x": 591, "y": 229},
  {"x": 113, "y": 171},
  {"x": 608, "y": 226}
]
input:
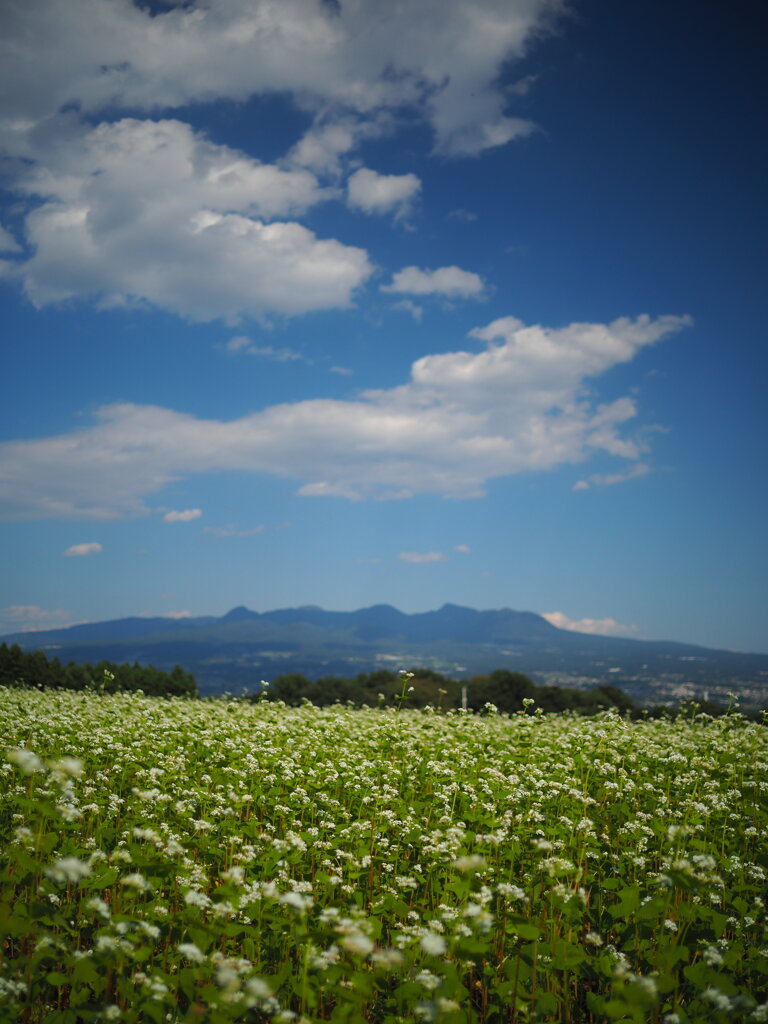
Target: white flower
[
  {"x": 73, "y": 767},
  {"x": 432, "y": 944},
  {"x": 297, "y": 901},
  {"x": 101, "y": 908},
  {"x": 195, "y": 898},
  {"x": 68, "y": 869},
  {"x": 191, "y": 952},
  {"x": 718, "y": 999},
  {"x": 24, "y": 759},
  {"x": 471, "y": 862},
  {"x": 135, "y": 881},
  {"x": 357, "y": 944},
  {"x": 387, "y": 958},
  {"x": 258, "y": 988}
]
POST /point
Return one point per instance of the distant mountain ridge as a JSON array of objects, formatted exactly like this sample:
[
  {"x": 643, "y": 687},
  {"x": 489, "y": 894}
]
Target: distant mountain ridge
[
  {"x": 376, "y": 622},
  {"x": 242, "y": 647}
]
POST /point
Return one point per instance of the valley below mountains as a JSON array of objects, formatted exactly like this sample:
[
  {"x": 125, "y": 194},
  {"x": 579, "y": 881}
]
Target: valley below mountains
[{"x": 239, "y": 650}]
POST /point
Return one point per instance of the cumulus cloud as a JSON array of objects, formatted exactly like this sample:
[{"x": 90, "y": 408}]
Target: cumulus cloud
[
  {"x": 595, "y": 627},
  {"x": 185, "y": 516},
  {"x": 153, "y": 212},
  {"x": 452, "y": 282},
  {"x": 521, "y": 404},
  {"x": 137, "y": 211},
  {"x": 439, "y": 58},
  {"x": 81, "y": 550},
  {"x": 419, "y": 557},
  {"x": 382, "y": 193}
]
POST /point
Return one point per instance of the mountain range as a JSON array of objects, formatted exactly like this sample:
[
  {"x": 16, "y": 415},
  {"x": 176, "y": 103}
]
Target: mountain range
[{"x": 239, "y": 649}]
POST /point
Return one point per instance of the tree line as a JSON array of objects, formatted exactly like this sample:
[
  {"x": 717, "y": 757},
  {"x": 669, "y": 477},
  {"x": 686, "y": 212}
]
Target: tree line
[
  {"x": 505, "y": 690},
  {"x": 34, "y": 668}
]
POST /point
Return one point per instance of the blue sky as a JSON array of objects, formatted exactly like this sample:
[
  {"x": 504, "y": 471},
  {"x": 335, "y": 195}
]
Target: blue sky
[{"x": 340, "y": 303}]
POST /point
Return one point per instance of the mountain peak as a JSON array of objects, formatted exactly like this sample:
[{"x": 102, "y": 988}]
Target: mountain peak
[{"x": 239, "y": 614}]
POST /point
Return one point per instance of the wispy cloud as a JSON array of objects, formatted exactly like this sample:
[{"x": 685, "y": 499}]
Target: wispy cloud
[
  {"x": 185, "y": 516},
  {"x": 27, "y": 618},
  {"x": 460, "y": 420},
  {"x": 408, "y": 306},
  {"x": 242, "y": 343},
  {"x": 460, "y": 214},
  {"x": 233, "y": 531},
  {"x": 81, "y": 550},
  {"x": 420, "y": 557},
  {"x": 609, "y": 479},
  {"x": 597, "y": 627}
]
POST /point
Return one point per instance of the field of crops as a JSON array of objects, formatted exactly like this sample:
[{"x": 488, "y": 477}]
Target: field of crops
[{"x": 211, "y": 861}]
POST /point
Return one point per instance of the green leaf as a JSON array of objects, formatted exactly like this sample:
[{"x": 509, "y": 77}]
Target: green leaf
[{"x": 523, "y": 928}]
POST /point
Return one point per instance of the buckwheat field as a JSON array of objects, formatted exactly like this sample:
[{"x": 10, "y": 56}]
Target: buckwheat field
[{"x": 223, "y": 860}]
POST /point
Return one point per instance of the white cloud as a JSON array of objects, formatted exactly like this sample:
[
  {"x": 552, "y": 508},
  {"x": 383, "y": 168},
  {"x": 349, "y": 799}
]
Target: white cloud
[
  {"x": 80, "y": 550},
  {"x": 452, "y": 282},
  {"x": 186, "y": 516},
  {"x": 609, "y": 479},
  {"x": 407, "y": 306},
  {"x": 135, "y": 211},
  {"x": 280, "y": 355},
  {"x": 439, "y": 58},
  {"x": 150, "y": 211},
  {"x": 232, "y": 531},
  {"x": 382, "y": 193},
  {"x": 418, "y": 557},
  {"x": 462, "y": 418},
  {"x": 177, "y": 615},
  {"x": 460, "y": 214},
  {"x": 463, "y": 549},
  {"x": 327, "y": 146},
  {"x": 595, "y": 627},
  {"x": 27, "y": 618}
]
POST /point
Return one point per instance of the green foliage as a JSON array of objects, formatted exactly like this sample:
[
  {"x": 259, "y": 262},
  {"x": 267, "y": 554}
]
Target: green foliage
[
  {"x": 214, "y": 861},
  {"x": 504, "y": 690},
  {"x": 18, "y": 668}
]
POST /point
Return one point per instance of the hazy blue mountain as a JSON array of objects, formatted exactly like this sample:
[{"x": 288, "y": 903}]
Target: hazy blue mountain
[{"x": 243, "y": 647}]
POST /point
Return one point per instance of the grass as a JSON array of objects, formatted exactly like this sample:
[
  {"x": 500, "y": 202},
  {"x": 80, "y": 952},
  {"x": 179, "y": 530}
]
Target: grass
[{"x": 187, "y": 860}]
